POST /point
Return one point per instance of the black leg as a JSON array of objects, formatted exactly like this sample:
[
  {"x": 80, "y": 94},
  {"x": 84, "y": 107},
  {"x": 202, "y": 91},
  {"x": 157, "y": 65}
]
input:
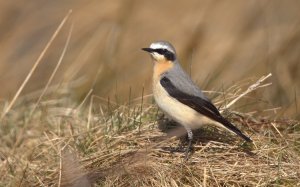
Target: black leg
[{"x": 190, "y": 139}]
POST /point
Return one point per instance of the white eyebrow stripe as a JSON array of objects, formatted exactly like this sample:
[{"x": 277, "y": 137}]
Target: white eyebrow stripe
[
  {"x": 161, "y": 46},
  {"x": 158, "y": 46}
]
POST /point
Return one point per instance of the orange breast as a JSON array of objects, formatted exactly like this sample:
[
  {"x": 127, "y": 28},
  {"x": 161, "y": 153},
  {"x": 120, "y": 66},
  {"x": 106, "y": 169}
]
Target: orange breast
[{"x": 161, "y": 67}]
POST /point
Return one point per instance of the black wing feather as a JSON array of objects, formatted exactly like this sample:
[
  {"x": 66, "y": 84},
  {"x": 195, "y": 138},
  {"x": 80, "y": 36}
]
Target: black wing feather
[{"x": 201, "y": 105}]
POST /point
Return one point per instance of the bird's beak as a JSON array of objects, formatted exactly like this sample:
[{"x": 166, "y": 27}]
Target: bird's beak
[{"x": 149, "y": 50}]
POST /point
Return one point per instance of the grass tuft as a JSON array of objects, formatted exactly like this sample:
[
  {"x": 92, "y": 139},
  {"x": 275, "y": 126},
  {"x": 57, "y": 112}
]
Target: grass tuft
[{"x": 104, "y": 143}]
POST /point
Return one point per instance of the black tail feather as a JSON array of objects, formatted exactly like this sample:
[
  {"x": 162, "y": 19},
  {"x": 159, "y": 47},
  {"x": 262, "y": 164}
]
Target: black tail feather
[{"x": 234, "y": 129}]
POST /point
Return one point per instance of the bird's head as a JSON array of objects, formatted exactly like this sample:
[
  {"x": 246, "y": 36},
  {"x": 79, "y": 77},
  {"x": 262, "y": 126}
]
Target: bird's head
[{"x": 161, "y": 51}]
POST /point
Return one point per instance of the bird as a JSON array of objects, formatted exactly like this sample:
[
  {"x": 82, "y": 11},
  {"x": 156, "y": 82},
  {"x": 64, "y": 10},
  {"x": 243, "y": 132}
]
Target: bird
[{"x": 179, "y": 97}]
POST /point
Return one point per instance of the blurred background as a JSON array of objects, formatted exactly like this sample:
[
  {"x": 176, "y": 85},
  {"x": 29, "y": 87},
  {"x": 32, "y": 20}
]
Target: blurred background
[{"x": 220, "y": 43}]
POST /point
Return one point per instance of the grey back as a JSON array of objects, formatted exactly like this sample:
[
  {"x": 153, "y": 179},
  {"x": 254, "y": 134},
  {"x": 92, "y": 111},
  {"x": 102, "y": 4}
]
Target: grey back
[{"x": 183, "y": 82}]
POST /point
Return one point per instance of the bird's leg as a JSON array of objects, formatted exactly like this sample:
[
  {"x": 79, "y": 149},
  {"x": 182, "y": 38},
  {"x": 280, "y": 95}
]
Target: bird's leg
[
  {"x": 190, "y": 139},
  {"x": 181, "y": 145}
]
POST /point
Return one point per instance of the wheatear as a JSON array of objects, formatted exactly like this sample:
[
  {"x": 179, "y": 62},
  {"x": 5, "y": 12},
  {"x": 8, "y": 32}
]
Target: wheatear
[{"x": 179, "y": 97}]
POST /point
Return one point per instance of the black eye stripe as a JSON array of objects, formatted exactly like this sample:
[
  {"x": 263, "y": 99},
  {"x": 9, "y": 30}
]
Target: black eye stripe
[
  {"x": 168, "y": 54},
  {"x": 161, "y": 51}
]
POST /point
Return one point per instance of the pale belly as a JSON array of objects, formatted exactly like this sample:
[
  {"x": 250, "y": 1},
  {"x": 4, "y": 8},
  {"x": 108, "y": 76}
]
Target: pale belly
[{"x": 179, "y": 112}]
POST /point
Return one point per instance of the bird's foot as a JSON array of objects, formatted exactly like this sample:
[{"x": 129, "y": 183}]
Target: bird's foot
[
  {"x": 180, "y": 149},
  {"x": 188, "y": 150}
]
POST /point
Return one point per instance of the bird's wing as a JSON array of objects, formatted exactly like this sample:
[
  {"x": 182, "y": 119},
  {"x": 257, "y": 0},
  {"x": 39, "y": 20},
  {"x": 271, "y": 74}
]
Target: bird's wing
[{"x": 201, "y": 105}]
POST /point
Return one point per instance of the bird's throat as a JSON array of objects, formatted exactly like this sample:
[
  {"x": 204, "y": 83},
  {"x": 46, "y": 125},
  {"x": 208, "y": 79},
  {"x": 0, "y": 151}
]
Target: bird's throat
[{"x": 161, "y": 67}]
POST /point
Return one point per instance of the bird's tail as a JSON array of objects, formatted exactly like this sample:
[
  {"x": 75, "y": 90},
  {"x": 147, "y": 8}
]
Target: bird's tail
[{"x": 234, "y": 129}]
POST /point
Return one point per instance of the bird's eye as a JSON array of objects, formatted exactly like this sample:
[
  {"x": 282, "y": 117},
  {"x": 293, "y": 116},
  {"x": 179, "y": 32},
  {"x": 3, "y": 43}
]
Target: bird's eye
[
  {"x": 160, "y": 51},
  {"x": 168, "y": 54}
]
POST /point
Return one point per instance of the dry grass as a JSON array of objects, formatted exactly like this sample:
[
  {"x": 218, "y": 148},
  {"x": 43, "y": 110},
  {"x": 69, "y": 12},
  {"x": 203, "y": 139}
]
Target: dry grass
[
  {"x": 107, "y": 144},
  {"x": 232, "y": 40},
  {"x": 52, "y": 138}
]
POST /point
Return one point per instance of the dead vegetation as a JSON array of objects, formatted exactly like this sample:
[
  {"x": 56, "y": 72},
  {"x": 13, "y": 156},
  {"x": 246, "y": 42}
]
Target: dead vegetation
[
  {"x": 49, "y": 139},
  {"x": 232, "y": 40},
  {"x": 99, "y": 142}
]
